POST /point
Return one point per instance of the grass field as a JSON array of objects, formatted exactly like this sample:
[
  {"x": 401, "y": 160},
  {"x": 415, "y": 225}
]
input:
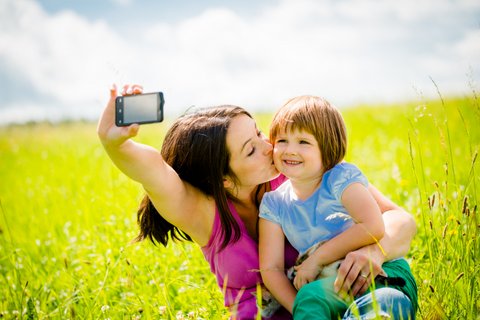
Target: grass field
[{"x": 67, "y": 217}]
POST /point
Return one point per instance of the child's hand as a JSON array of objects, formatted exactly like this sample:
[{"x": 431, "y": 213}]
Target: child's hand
[
  {"x": 109, "y": 133},
  {"x": 307, "y": 272}
]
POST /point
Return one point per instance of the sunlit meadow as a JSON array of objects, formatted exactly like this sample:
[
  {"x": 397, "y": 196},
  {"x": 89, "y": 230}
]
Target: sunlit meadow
[{"x": 67, "y": 218}]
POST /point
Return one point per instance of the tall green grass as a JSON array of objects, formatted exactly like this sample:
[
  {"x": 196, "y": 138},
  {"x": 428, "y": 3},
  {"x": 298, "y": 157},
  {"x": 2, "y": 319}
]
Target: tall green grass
[
  {"x": 67, "y": 217},
  {"x": 424, "y": 156}
]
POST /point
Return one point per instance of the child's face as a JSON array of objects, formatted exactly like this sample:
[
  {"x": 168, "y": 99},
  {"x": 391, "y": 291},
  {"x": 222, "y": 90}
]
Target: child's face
[{"x": 296, "y": 154}]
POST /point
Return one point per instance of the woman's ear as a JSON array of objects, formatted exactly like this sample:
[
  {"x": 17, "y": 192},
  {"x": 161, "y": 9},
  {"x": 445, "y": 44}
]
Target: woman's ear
[{"x": 227, "y": 182}]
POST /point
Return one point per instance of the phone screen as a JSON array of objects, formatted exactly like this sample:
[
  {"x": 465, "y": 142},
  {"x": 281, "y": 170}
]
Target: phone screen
[{"x": 140, "y": 108}]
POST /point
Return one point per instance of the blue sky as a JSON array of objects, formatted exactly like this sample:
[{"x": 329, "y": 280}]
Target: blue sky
[{"x": 58, "y": 58}]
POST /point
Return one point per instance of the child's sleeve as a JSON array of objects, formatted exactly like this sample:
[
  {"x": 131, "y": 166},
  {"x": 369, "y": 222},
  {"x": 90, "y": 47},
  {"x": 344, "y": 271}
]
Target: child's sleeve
[
  {"x": 343, "y": 175},
  {"x": 267, "y": 208}
]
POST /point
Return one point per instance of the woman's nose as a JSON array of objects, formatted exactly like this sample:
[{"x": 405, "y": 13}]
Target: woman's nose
[{"x": 267, "y": 146}]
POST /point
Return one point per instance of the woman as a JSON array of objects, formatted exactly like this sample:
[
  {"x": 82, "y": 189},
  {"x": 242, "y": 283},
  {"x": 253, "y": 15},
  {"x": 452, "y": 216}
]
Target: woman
[{"x": 207, "y": 183}]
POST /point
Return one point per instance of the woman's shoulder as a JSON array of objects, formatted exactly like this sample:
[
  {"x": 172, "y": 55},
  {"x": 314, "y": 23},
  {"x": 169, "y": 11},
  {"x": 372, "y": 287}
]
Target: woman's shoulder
[{"x": 277, "y": 182}]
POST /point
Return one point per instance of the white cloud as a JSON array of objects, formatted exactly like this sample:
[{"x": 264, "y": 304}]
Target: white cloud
[
  {"x": 468, "y": 47},
  {"x": 349, "y": 51},
  {"x": 66, "y": 58},
  {"x": 122, "y": 2}
]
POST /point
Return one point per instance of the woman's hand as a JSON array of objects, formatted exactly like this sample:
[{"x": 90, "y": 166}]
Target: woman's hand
[
  {"x": 361, "y": 266},
  {"x": 108, "y": 132},
  {"x": 358, "y": 270}
]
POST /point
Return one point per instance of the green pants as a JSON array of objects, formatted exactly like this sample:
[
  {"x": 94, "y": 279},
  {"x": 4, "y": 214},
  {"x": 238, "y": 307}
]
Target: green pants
[{"x": 317, "y": 300}]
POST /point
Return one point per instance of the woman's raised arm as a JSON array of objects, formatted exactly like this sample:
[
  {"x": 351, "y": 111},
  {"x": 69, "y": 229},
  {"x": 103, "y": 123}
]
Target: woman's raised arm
[{"x": 178, "y": 202}]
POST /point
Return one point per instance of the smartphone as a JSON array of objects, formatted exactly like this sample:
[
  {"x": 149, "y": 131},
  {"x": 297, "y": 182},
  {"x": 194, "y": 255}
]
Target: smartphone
[{"x": 139, "y": 108}]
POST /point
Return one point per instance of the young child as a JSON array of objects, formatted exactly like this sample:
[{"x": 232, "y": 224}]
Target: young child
[{"x": 324, "y": 201}]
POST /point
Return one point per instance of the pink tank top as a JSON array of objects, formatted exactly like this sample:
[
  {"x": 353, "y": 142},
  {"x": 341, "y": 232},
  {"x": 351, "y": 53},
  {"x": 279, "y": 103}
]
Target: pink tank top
[{"x": 236, "y": 267}]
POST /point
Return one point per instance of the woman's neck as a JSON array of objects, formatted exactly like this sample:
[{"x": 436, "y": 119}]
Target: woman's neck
[
  {"x": 248, "y": 197},
  {"x": 246, "y": 204}
]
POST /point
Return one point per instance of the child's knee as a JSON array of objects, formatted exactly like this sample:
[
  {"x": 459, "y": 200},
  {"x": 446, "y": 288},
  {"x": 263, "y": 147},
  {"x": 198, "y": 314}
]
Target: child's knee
[
  {"x": 308, "y": 292},
  {"x": 318, "y": 300},
  {"x": 310, "y": 301},
  {"x": 321, "y": 288}
]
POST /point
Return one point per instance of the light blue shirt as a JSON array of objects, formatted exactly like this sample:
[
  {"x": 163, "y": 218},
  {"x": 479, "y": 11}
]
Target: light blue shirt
[{"x": 318, "y": 218}]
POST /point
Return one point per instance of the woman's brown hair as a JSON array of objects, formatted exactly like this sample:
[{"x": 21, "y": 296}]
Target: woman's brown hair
[{"x": 196, "y": 148}]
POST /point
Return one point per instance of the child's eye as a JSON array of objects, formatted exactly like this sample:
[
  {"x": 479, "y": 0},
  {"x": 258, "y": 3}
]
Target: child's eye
[
  {"x": 251, "y": 152},
  {"x": 304, "y": 142}
]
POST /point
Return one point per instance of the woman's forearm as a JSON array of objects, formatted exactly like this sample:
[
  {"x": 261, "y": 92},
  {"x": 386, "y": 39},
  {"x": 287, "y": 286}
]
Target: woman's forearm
[
  {"x": 400, "y": 228},
  {"x": 138, "y": 161}
]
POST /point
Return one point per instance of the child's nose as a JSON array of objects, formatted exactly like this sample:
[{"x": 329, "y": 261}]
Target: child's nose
[{"x": 290, "y": 149}]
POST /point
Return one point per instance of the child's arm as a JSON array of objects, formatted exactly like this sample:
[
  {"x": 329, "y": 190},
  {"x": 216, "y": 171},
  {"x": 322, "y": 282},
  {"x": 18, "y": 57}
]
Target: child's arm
[
  {"x": 272, "y": 265},
  {"x": 180, "y": 203},
  {"x": 368, "y": 229}
]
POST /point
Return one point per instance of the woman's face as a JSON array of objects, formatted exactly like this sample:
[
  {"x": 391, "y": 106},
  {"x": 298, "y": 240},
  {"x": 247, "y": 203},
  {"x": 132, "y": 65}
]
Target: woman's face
[{"x": 250, "y": 153}]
